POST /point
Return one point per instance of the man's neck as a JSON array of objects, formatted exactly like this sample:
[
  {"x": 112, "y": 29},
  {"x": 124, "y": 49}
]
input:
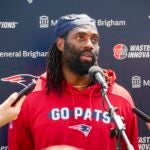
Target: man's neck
[{"x": 77, "y": 81}]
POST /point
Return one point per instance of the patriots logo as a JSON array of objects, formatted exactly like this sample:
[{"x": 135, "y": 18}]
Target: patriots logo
[
  {"x": 83, "y": 128},
  {"x": 22, "y": 79}
]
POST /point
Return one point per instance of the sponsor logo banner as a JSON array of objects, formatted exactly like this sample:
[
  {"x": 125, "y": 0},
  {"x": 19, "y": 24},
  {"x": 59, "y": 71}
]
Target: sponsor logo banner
[
  {"x": 3, "y": 147},
  {"x": 46, "y": 21},
  {"x": 8, "y": 25},
  {"x": 138, "y": 82},
  {"x": 144, "y": 143},
  {"x": 23, "y": 54},
  {"x": 140, "y": 51}
]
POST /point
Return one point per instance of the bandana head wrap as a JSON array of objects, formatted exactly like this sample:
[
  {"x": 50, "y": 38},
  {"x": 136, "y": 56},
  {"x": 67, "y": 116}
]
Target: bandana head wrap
[{"x": 68, "y": 22}]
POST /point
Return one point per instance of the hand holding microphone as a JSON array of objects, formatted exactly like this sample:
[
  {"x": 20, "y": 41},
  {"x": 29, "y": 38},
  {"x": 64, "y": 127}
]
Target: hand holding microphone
[
  {"x": 25, "y": 91},
  {"x": 11, "y": 107},
  {"x": 7, "y": 112}
]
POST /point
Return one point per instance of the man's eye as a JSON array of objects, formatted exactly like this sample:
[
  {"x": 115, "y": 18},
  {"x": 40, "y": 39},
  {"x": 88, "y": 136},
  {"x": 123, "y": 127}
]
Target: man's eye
[
  {"x": 80, "y": 38},
  {"x": 95, "y": 40}
]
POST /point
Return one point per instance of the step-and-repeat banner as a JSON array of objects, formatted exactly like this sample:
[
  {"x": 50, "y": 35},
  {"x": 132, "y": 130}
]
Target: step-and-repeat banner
[{"x": 124, "y": 26}]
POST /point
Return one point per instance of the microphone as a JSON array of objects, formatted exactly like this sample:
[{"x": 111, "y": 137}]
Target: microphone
[
  {"x": 141, "y": 114},
  {"x": 25, "y": 91},
  {"x": 96, "y": 73}
]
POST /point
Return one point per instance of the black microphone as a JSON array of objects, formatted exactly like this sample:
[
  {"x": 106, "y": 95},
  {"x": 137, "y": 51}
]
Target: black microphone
[
  {"x": 96, "y": 73},
  {"x": 141, "y": 114},
  {"x": 25, "y": 91}
]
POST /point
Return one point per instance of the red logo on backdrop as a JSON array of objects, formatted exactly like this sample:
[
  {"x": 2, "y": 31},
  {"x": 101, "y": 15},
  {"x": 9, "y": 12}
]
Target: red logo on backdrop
[
  {"x": 22, "y": 79},
  {"x": 120, "y": 51}
]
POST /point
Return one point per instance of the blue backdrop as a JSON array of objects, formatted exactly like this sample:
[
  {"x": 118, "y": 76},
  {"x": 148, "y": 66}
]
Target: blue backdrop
[{"x": 124, "y": 26}]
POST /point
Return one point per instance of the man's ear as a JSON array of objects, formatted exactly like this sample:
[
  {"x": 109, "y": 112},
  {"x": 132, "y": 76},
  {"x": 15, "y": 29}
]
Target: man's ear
[{"x": 60, "y": 44}]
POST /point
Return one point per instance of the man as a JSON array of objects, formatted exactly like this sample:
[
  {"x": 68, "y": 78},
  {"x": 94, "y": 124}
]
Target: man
[
  {"x": 71, "y": 111},
  {"x": 8, "y": 112}
]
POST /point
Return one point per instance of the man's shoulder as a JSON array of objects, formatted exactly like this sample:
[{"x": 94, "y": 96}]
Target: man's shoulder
[
  {"x": 122, "y": 92},
  {"x": 40, "y": 83},
  {"x": 35, "y": 96}
]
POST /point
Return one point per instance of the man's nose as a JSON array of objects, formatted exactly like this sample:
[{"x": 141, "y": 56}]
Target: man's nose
[{"x": 89, "y": 44}]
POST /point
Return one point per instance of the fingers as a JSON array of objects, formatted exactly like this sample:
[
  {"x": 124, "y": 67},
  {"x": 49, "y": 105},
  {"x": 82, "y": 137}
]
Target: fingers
[
  {"x": 17, "y": 107},
  {"x": 11, "y": 98},
  {"x": 148, "y": 125}
]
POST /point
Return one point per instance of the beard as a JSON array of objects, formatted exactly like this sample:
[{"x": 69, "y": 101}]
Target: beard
[{"x": 71, "y": 58}]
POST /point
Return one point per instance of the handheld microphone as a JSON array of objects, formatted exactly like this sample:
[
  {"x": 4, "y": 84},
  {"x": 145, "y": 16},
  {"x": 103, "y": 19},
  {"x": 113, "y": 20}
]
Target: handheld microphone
[
  {"x": 141, "y": 114},
  {"x": 25, "y": 91},
  {"x": 97, "y": 74}
]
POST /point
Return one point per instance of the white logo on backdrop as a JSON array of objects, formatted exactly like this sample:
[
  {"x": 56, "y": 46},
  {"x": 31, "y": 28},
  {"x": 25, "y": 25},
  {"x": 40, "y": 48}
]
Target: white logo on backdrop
[
  {"x": 44, "y": 21},
  {"x": 23, "y": 53},
  {"x": 136, "y": 82},
  {"x": 110, "y": 23},
  {"x": 3, "y": 147},
  {"x": 144, "y": 143},
  {"x": 30, "y": 1},
  {"x": 8, "y": 25}
]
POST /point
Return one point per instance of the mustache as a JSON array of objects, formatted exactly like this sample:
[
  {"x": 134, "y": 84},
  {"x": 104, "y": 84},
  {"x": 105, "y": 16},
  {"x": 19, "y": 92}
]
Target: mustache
[{"x": 92, "y": 53}]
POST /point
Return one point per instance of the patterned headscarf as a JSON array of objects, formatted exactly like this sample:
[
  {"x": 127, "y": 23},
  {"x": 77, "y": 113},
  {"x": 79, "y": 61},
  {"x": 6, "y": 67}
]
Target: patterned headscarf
[{"x": 68, "y": 22}]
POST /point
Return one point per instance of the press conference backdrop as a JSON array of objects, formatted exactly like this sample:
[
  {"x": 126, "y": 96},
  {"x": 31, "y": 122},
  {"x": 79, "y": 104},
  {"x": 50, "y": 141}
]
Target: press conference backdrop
[{"x": 124, "y": 25}]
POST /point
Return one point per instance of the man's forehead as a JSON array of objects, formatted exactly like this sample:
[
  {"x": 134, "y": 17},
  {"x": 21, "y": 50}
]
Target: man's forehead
[{"x": 84, "y": 29}]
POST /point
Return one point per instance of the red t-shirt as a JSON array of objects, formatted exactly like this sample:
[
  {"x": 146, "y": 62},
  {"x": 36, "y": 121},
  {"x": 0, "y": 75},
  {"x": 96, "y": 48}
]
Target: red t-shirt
[{"x": 76, "y": 118}]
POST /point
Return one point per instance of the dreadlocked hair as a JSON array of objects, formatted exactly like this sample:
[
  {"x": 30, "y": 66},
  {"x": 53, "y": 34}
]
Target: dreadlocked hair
[{"x": 54, "y": 78}]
